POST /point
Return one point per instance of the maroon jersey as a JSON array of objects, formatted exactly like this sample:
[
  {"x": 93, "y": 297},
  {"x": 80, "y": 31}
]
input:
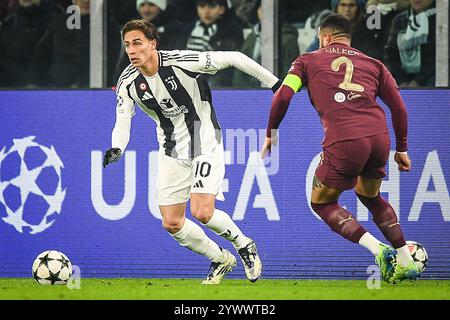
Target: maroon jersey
[{"x": 343, "y": 84}]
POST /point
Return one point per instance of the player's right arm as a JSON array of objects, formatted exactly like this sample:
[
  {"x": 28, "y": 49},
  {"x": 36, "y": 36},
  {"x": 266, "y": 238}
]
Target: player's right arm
[
  {"x": 292, "y": 83},
  {"x": 211, "y": 62},
  {"x": 122, "y": 128},
  {"x": 389, "y": 92}
]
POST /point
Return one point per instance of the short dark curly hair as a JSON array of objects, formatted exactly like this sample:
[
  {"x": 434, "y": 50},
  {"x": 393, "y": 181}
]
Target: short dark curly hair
[
  {"x": 146, "y": 27},
  {"x": 340, "y": 24}
]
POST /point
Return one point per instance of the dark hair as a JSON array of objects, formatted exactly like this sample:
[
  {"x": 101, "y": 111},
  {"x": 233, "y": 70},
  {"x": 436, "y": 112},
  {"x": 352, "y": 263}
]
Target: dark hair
[
  {"x": 147, "y": 28},
  {"x": 340, "y": 24}
]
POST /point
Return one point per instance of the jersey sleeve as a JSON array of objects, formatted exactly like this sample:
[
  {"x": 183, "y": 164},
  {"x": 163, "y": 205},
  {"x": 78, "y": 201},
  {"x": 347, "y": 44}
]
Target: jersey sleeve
[
  {"x": 292, "y": 83},
  {"x": 296, "y": 77},
  {"x": 125, "y": 111},
  {"x": 389, "y": 92},
  {"x": 212, "y": 61},
  {"x": 194, "y": 61}
]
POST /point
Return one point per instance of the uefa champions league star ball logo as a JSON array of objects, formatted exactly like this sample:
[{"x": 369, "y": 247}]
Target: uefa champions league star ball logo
[{"x": 31, "y": 195}]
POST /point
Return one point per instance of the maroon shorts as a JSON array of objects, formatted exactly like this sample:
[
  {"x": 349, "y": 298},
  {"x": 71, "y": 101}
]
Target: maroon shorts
[{"x": 342, "y": 162}]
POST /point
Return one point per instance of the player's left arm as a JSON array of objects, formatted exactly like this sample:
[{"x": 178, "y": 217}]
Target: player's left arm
[
  {"x": 389, "y": 92},
  {"x": 227, "y": 59}
]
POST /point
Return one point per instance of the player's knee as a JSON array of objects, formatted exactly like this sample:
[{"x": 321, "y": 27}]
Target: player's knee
[
  {"x": 370, "y": 194},
  {"x": 202, "y": 211},
  {"x": 173, "y": 224}
]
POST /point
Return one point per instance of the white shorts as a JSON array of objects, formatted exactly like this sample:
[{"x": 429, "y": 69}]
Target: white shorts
[{"x": 177, "y": 179}]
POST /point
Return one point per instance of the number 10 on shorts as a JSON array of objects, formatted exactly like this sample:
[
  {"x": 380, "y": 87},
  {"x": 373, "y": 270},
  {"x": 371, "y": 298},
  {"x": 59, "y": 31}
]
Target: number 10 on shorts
[{"x": 203, "y": 168}]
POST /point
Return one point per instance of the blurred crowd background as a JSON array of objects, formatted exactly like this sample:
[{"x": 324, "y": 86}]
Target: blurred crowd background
[{"x": 38, "y": 50}]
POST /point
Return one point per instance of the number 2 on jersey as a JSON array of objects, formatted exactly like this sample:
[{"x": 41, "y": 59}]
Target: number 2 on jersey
[{"x": 347, "y": 84}]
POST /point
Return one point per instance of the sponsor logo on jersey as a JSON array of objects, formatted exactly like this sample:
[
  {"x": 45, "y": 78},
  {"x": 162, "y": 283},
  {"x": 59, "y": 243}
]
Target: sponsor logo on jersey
[
  {"x": 171, "y": 111},
  {"x": 353, "y": 95}
]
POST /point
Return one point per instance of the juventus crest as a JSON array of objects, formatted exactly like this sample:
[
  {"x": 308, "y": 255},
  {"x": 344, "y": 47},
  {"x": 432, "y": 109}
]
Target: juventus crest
[{"x": 173, "y": 85}]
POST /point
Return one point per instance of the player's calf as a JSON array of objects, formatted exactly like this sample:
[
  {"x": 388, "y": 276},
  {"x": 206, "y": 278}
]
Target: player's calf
[
  {"x": 193, "y": 237},
  {"x": 385, "y": 218},
  {"x": 339, "y": 220}
]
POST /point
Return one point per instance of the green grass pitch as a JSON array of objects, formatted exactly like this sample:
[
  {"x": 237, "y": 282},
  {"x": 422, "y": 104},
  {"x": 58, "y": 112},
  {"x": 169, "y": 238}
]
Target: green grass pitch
[{"x": 191, "y": 289}]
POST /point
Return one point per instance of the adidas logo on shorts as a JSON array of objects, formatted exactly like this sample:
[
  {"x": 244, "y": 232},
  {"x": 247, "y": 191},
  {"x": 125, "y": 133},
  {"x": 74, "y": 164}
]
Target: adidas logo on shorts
[{"x": 199, "y": 184}]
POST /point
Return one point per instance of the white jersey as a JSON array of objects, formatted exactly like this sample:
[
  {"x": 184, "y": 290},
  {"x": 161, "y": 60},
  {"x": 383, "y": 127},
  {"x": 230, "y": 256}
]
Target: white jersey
[{"x": 179, "y": 100}]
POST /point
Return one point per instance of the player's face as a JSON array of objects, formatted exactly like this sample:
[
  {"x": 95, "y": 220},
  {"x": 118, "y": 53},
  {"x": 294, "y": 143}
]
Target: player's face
[
  {"x": 138, "y": 47},
  {"x": 420, "y": 5},
  {"x": 209, "y": 14},
  {"x": 348, "y": 8},
  {"x": 149, "y": 11}
]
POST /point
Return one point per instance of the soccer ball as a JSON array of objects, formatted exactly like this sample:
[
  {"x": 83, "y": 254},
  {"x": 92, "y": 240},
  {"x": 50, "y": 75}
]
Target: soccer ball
[
  {"x": 52, "y": 267},
  {"x": 419, "y": 254}
]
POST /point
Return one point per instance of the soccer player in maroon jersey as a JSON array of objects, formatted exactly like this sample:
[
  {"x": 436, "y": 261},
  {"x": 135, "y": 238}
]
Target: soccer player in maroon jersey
[{"x": 343, "y": 84}]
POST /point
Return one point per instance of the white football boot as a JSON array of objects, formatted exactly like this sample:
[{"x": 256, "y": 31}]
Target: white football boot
[
  {"x": 252, "y": 262},
  {"x": 218, "y": 270}
]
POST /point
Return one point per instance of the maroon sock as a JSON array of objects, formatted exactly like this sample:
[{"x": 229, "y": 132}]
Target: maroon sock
[
  {"x": 385, "y": 218},
  {"x": 339, "y": 220}
]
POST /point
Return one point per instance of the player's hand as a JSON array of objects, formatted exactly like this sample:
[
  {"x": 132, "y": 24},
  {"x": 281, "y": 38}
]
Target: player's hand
[
  {"x": 403, "y": 161},
  {"x": 267, "y": 147},
  {"x": 112, "y": 155}
]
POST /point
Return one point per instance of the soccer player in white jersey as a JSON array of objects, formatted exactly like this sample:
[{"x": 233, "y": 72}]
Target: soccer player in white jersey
[{"x": 168, "y": 86}]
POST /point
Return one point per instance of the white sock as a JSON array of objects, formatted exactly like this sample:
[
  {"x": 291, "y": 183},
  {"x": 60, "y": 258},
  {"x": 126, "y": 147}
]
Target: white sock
[
  {"x": 404, "y": 258},
  {"x": 193, "y": 237},
  {"x": 222, "y": 224},
  {"x": 371, "y": 243}
]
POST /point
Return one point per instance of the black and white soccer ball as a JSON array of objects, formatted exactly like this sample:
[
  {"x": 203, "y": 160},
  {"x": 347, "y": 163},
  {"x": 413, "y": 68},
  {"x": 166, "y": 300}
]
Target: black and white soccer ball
[
  {"x": 419, "y": 254},
  {"x": 52, "y": 267}
]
